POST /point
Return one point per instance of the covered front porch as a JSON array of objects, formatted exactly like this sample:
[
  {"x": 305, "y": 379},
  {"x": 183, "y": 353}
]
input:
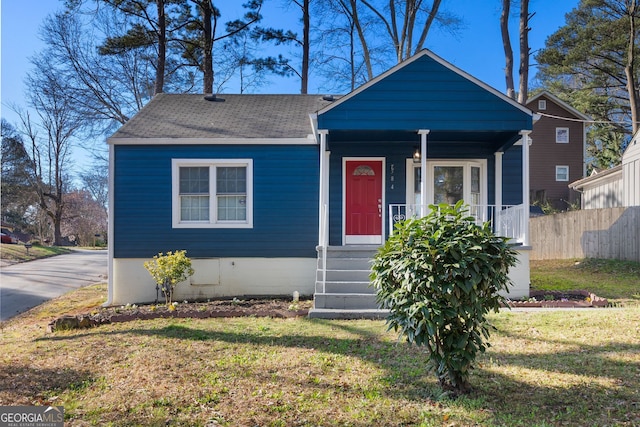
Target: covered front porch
[
  {"x": 475, "y": 175},
  {"x": 422, "y": 134}
]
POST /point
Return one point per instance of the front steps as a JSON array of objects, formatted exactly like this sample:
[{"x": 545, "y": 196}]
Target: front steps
[{"x": 345, "y": 293}]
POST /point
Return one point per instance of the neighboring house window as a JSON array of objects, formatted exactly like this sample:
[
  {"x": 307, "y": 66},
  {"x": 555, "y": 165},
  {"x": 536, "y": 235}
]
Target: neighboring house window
[
  {"x": 562, "y": 135},
  {"x": 213, "y": 193},
  {"x": 542, "y": 104},
  {"x": 562, "y": 173}
]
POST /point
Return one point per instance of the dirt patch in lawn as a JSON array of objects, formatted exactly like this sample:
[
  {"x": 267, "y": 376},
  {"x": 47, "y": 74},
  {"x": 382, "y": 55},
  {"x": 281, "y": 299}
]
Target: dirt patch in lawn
[
  {"x": 566, "y": 299},
  {"x": 275, "y": 308}
]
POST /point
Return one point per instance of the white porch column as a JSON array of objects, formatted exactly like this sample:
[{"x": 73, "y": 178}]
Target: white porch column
[
  {"x": 498, "y": 181},
  {"x": 323, "y": 208},
  {"x": 525, "y": 183},
  {"x": 423, "y": 170}
]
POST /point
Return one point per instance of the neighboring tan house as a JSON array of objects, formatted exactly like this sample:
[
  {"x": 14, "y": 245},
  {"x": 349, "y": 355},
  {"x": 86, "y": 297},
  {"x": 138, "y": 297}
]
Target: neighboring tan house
[
  {"x": 615, "y": 187},
  {"x": 557, "y": 151},
  {"x": 271, "y": 194}
]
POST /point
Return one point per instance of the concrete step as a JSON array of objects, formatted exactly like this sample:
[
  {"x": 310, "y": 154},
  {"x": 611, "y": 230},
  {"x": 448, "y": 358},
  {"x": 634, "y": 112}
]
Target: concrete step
[
  {"x": 352, "y": 301},
  {"x": 346, "y": 263},
  {"x": 357, "y": 251},
  {"x": 344, "y": 287},
  {"x": 332, "y": 313},
  {"x": 344, "y": 275}
]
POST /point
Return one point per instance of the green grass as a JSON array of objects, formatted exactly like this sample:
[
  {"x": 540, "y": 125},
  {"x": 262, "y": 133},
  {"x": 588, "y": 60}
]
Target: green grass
[
  {"x": 618, "y": 281},
  {"x": 548, "y": 368},
  {"x": 18, "y": 252},
  {"x": 573, "y": 368}
]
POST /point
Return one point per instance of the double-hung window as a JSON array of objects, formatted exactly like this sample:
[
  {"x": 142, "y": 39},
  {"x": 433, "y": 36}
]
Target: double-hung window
[
  {"x": 562, "y": 135},
  {"x": 213, "y": 193},
  {"x": 562, "y": 173}
]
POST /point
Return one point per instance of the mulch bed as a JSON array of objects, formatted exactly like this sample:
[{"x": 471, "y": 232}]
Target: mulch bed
[{"x": 276, "y": 308}]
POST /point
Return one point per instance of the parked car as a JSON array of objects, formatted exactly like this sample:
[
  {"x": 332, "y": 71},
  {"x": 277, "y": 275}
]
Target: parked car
[{"x": 8, "y": 238}]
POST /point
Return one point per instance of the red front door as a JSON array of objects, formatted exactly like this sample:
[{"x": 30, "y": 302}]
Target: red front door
[{"x": 363, "y": 186}]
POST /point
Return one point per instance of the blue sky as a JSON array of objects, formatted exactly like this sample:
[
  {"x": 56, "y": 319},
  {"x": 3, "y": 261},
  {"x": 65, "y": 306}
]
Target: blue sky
[{"x": 476, "y": 49}]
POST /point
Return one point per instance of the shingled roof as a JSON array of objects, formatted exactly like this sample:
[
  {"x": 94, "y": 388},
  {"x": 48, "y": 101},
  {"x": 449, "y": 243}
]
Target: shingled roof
[{"x": 239, "y": 116}]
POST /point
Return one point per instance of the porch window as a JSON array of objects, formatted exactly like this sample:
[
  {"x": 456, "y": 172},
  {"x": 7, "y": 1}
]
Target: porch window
[
  {"x": 448, "y": 181},
  {"x": 213, "y": 193},
  {"x": 448, "y": 184}
]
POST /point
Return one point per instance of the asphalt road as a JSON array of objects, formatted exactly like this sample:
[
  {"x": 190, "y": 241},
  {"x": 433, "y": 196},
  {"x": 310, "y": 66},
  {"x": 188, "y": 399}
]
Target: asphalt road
[{"x": 28, "y": 284}]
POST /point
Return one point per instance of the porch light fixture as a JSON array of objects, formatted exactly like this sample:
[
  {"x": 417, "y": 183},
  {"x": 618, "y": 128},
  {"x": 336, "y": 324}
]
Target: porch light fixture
[{"x": 416, "y": 155}]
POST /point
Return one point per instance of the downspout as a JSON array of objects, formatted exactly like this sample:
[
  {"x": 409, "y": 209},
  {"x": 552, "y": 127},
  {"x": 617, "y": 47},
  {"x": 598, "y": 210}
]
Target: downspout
[
  {"x": 423, "y": 170},
  {"x": 110, "y": 231},
  {"x": 525, "y": 183}
]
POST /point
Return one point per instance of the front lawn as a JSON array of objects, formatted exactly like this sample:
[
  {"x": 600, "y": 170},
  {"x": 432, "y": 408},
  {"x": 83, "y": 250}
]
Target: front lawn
[
  {"x": 618, "y": 281},
  {"x": 574, "y": 368}
]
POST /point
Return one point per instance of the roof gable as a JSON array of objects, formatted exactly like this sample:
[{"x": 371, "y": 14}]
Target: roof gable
[
  {"x": 560, "y": 103},
  {"x": 425, "y": 92}
]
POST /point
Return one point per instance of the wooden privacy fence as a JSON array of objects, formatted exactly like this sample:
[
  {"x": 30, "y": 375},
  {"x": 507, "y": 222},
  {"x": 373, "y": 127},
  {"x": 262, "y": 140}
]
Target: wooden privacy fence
[{"x": 612, "y": 233}]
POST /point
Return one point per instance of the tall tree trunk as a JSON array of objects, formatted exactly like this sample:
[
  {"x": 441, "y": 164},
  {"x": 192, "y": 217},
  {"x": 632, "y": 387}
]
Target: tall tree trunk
[
  {"x": 363, "y": 40},
  {"x": 524, "y": 52},
  {"x": 508, "y": 51},
  {"x": 629, "y": 69},
  {"x": 207, "y": 46},
  {"x": 425, "y": 30},
  {"x": 162, "y": 48},
  {"x": 306, "y": 23}
]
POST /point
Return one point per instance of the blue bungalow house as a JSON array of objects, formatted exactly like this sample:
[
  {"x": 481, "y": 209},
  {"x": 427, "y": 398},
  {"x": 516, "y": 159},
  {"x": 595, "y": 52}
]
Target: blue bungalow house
[{"x": 271, "y": 194}]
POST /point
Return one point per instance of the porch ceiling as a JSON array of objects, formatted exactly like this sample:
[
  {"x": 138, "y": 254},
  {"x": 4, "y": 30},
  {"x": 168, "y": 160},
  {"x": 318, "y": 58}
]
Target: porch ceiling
[{"x": 490, "y": 140}]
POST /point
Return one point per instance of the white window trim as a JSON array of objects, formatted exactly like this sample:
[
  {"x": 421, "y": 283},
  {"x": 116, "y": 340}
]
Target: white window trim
[
  {"x": 562, "y": 167},
  {"x": 558, "y": 141},
  {"x": 542, "y": 104},
  {"x": 212, "y": 164}
]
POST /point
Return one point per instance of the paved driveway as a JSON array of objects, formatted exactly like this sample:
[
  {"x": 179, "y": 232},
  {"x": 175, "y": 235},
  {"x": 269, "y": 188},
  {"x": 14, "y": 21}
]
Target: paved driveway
[{"x": 28, "y": 284}]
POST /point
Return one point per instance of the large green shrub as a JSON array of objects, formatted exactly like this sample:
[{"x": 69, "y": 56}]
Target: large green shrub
[
  {"x": 169, "y": 270},
  {"x": 440, "y": 276}
]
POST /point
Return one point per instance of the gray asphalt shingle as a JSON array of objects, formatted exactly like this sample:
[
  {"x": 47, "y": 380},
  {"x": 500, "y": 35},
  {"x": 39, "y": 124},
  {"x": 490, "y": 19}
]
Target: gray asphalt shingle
[{"x": 239, "y": 116}]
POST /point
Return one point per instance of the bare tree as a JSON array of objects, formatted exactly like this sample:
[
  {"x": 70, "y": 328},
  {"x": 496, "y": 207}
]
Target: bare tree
[
  {"x": 407, "y": 23},
  {"x": 349, "y": 53},
  {"x": 523, "y": 70},
  {"x": 106, "y": 90},
  {"x": 84, "y": 218},
  {"x": 508, "y": 51},
  {"x": 50, "y": 153},
  {"x": 96, "y": 181},
  {"x": 523, "y": 89}
]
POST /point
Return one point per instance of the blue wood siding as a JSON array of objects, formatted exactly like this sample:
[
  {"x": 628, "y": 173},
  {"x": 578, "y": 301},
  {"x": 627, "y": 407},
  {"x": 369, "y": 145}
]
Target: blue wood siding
[
  {"x": 425, "y": 94},
  {"x": 285, "y": 216},
  {"x": 512, "y": 176}
]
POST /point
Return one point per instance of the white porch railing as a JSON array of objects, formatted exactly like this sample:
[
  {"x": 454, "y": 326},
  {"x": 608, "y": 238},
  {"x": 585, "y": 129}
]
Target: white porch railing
[{"x": 510, "y": 221}]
